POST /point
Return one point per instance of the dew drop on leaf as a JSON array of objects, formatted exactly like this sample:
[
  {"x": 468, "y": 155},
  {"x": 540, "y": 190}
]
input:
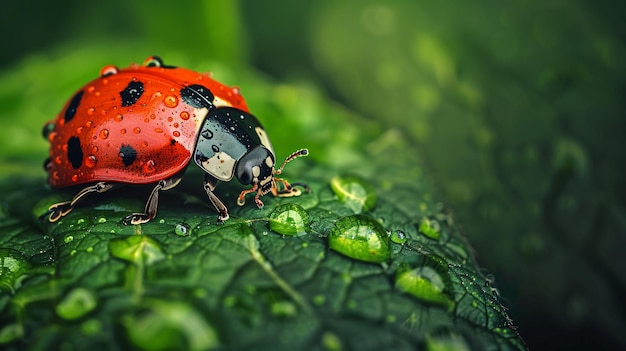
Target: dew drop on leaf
[
  {"x": 430, "y": 228},
  {"x": 137, "y": 249},
  {"x": 13, "y": 268},
  {"x": 77, "y": 303},
  {"x": 182, "y": 229},
  {"x": 354, "y": 192},
  {"x": 398, "y": 237},
  {"x": 425, "y": 282},
  {"x": 360, "y": 237},
  {"x": 289, "y": 219}
]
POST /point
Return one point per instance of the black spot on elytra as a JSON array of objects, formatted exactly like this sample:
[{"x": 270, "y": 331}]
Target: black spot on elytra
[
  {"x": 74, "y": 152},
  {"x": 70, "y": 112},
  {"x": 131, "y": 93},
  {"x": 172, "y": 142},
  {"x": 128, "y": 155},
  {"x": 198, "y": 96}
]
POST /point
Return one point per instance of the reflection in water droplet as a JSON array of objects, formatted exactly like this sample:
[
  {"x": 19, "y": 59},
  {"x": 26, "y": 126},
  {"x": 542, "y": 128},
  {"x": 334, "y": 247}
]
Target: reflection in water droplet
[
  {"x": 354, "y": 192},
  {"x": 207, "y": 134},
  {"x": 426, "y": 282},
  {"x": 289, "y": 219},
  {"x": 77, "y": 303},
  {"x": 91, "y": 161},
  {"x": 104, "y": 134},
  {"x": 171, "y": 101},
  {"x": 14, "y": 267},
  {"x": 139, "y": 249},
  {"x": 430, "y": 228},
  {"x": 398, "y": 237},
  {"x": 182, "y": 229},
  {"x": 360, "y": 237}
]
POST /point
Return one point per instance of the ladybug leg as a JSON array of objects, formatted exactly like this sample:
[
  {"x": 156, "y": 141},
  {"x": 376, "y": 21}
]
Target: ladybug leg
[
  {"x": 209, "y": 186},
  {"x": 241, "y": 200},
  {"x": 61, "y": 209},
  {"x": 150, "y": 210},
  {"x": 288, "y": 190}
]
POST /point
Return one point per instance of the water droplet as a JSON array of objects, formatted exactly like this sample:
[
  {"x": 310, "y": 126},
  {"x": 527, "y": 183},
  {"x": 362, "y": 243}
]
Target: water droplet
[
  {"x": 158, "y": 130},
  {"x": 68, "y": 239},
  {"x": 331, "y": 342},
  {"x": 430, "y": 228},
  {"x": 289, "y": 219},
  {"x": 91, "y": 111},
  {"x": 354, "y": 192},
  {"x": 137, "y": 130},
  {"x": 91, "y": 161},
  {"x": 79, "y": 130},
  {"x": 176, "y": 133},
  {"x": 398, "y": 237},
  {"x": 428, "y": 282},
  {"x": 119, "y": 117},
  {"x": 207, "y": 134},
  {"x": 104, "y": 134},
  {"x": 171, "y": 101},
  {"x": 184, "y": 115},
  {"x": 77, "y": 303},
  {"x": 182, "y": 229},
  {"x": 139, "y": 249},
  {"x": 144, "y": 144},
  {"x": 123, "y": 131},
  {"x": 102, "y": 220},
  {"x": 75, "y": 178},
  {"x": 14, "y": 267},
  {"x": 360, "y": 237},
  {"x": 284, "y": 309}
]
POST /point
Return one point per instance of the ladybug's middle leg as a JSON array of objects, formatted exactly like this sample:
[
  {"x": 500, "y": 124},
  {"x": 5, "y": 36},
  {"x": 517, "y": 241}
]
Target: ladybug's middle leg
[
  {"x": 209, "y": 186},
  {"x": 61, "y": 209},
  {"x": 150, "y": 210}
]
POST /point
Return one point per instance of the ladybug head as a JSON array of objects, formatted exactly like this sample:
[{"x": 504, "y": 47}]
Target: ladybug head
[{"x": 257, "y": 167}]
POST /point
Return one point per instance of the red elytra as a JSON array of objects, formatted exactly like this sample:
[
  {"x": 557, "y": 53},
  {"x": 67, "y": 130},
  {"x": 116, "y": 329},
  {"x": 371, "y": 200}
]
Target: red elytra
[{"x": 136, "y": 114}]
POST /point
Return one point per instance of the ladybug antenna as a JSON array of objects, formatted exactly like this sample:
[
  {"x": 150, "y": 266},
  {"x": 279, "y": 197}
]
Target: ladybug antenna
[{"x": 293, "y": 156}]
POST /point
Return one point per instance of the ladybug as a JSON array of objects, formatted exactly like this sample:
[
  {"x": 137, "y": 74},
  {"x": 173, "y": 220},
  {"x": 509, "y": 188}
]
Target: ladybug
[{"x": 143, "y": 125}]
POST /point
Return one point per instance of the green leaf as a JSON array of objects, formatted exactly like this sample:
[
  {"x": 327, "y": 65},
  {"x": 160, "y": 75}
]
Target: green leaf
[{"x": 183, "y": 282}]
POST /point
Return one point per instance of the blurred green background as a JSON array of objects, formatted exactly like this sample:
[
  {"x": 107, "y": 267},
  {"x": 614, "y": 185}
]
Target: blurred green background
[{"x": 517, "y": 107}]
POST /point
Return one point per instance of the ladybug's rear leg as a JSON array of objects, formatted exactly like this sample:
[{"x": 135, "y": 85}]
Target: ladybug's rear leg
[
  {"x": 209, "y": 186},
  {"x": 150, "y": 210},
  {"x": 61, "y": 209}
]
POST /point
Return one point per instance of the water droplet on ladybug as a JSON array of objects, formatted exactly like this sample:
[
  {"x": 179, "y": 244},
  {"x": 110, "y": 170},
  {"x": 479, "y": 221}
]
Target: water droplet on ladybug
[
  {"x": 79, "y": 130},
  {"x": 55, "y": 175},
  {"x": 75, "y": 178},
  {"x": 91, "y": 111},
  {"x": 58, "y": 160},
  {"x": 91, "y": 161},
  {"x": 91, "y": 89},
  {"x": 207, "y": 134},
  {"x": 176, "y": 125},
  {"x": 104, "y": 134},
  {"x": 149, "y": 167},
  {"x": 144, "y": 144},
  {"x": 170, "y": 119},
  {"x": 108, "y": 70},
  {"x": 171, "y": 101},
  {"x": 89, "y": 124},
  {"x": 52, "y": 136},
  {"x": 176, "y": 133},
  {"x": 94, "y": 149},
  {"x": 158, "y": 130},
  {"x": 119, "y": 117},
  {"x": 184, "y": 115},
  {"x": 123, "y": 131},
  {"x": 137, "y": 130}
]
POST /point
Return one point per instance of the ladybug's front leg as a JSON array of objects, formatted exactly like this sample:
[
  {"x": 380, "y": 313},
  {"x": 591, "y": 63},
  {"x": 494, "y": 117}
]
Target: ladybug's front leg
[
  {"x": 209, "y": 186},
  {"x": 152, "y": 204},
  {"x": 61, "y": 209}
]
